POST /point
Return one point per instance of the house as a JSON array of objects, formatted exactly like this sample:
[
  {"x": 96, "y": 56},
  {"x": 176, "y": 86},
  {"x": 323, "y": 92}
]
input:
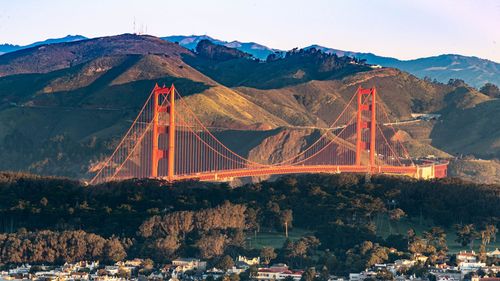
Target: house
[
  {"x": 237, "y": 270},
  {"x": 477, "y": 278},
  {"x": 465, "y": 256},
  {"x": 419, "y": 258},
  {"x": 79, "y": 276},
  {"x": 185, "y": 264},
  {"x": 252, "y": 261},
  {"x": 133, "y": 263},
  {"x": 108, "y": 278},
  {"x": 466, "y": 267},
  {"x": 91, "y": 265},
  {"x": 446, "y": 278},
  {"x": 362, "y": 275},
  {"x": 112, "y": 269},
  {"x": 494, "y": 254},
  {"x": 156, "y": 276},
  {"x": 214, "y": 272},
  {"x": 20, "y": 270},
  {"x": 278, "y": 272},
  {"x": 403, "y": 263}
]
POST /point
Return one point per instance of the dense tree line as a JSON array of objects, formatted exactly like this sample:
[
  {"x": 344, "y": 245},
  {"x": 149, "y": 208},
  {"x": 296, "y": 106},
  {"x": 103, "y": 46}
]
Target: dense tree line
[
  {"x": 214, "y": 229},
  {"x": 58, "y": 247},
  {"x": 150, "y": 218}
]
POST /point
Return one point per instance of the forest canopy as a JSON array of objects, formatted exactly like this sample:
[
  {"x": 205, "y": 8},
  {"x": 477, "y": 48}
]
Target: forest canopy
[{"x": 154, "y": 219}]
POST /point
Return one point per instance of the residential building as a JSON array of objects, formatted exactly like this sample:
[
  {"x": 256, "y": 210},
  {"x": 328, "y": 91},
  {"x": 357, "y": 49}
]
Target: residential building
[
  {"x": 278, "y": 272},
  {"x": 186, "y": 264}
]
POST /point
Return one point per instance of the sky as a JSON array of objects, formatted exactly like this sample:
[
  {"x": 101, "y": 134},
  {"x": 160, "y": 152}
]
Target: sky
[{"x": 404, "y": 29}]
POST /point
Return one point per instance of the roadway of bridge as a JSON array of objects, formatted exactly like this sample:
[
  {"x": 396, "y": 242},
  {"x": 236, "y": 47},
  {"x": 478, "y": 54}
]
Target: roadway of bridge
[{"x": 306, "y": 169}]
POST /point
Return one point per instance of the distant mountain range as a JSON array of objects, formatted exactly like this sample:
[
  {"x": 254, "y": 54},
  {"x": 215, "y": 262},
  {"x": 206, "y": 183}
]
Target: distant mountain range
[
  {"x": 473, "y": 70},
  {"x": 257, "y": 50},
  {"x": 7, "y": 48}
]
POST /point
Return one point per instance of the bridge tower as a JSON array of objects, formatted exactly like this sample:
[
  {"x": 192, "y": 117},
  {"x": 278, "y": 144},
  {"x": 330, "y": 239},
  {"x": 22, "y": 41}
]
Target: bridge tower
[
  {"x": 366, "y": 103},
  {"x": 160, "y": 94}
]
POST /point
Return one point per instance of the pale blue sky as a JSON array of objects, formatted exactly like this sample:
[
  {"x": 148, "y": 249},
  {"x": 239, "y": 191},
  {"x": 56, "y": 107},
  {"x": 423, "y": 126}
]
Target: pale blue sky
[{"x": 400, "y": 28}]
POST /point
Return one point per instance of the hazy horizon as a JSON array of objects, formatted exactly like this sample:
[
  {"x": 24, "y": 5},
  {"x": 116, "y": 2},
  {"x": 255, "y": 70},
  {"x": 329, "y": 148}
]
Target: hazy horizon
[{"x": 401, "y": 29}]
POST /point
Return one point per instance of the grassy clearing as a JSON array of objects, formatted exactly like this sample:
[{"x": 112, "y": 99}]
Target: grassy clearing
[
  {"x": 274, "y": 239},
  {"x": 385, "y": 228}
]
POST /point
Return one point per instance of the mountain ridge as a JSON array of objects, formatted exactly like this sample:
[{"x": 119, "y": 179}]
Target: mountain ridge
[
  {"x": 432, "y": 66},
  {"x": 473, "y": 70},
  {"x": 7, "y": 48}
]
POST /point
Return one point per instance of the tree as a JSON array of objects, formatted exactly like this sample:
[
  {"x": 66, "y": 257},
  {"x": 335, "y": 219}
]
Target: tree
[
  {"x": 44, "y": 202},
  {"x": 267, "y": 254},
  {"x": 324, "y": 275},
  {"x": 436, "y": 238},
  {"x": 147, "y": 266},
  {"x": 456, "y": 82},
  {"x": 225, "y": 263},
  {"x": 253, "y": 270},
  {"x": 114, "y": 250},
  {"x": 396, "y": 214},
  {"x": 252, "y": 219},
  {"x": 286, "y": 218},
  {"x": 491, "y": 90},
  {"x": 466, "y": 234},
  {"x": 309, "y": 274},
  {"x": 211, "y": 245},
  {"x": 234, "y": 277},
  {"x": 411, "y": 235},
  {"x": 298, "y": 251},
  {"x": 365, "y": 255},
  {"x": 488, "y": 233},
  {"x": 164, "y": 248}
]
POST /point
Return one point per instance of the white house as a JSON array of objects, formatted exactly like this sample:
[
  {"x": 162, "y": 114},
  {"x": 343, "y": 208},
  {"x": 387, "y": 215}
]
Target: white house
[
  {"x": 186, "y": 264},
  {"x": 278, "y": 272}
]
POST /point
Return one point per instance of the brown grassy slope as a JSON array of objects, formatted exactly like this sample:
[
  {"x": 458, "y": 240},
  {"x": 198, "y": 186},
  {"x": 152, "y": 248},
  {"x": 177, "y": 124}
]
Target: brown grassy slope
[
  {"x": 481, "y": 171},
  {"x": 472, "y": 130},
  {"x": 417, "y": 141},
  {"x": 317, "y": 103}
]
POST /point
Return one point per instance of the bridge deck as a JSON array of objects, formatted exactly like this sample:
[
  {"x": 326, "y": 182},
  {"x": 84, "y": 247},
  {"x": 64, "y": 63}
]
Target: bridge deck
[{"x": 280, "y": 170}]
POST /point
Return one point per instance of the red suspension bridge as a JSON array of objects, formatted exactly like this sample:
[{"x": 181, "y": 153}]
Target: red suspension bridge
[{"x": 168, "y": 141}]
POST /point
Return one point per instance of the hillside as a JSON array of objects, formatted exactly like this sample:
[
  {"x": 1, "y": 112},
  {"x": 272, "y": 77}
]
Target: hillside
[
  {"x": 65, "y": 106},
  {"x": 476, "y": 170}
]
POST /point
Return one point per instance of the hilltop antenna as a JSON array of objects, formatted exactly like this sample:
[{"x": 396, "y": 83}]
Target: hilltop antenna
[{"x": 134, "y": 26}]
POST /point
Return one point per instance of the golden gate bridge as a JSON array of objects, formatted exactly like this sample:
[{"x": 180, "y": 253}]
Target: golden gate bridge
[{"x": 168, "y": 141}]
